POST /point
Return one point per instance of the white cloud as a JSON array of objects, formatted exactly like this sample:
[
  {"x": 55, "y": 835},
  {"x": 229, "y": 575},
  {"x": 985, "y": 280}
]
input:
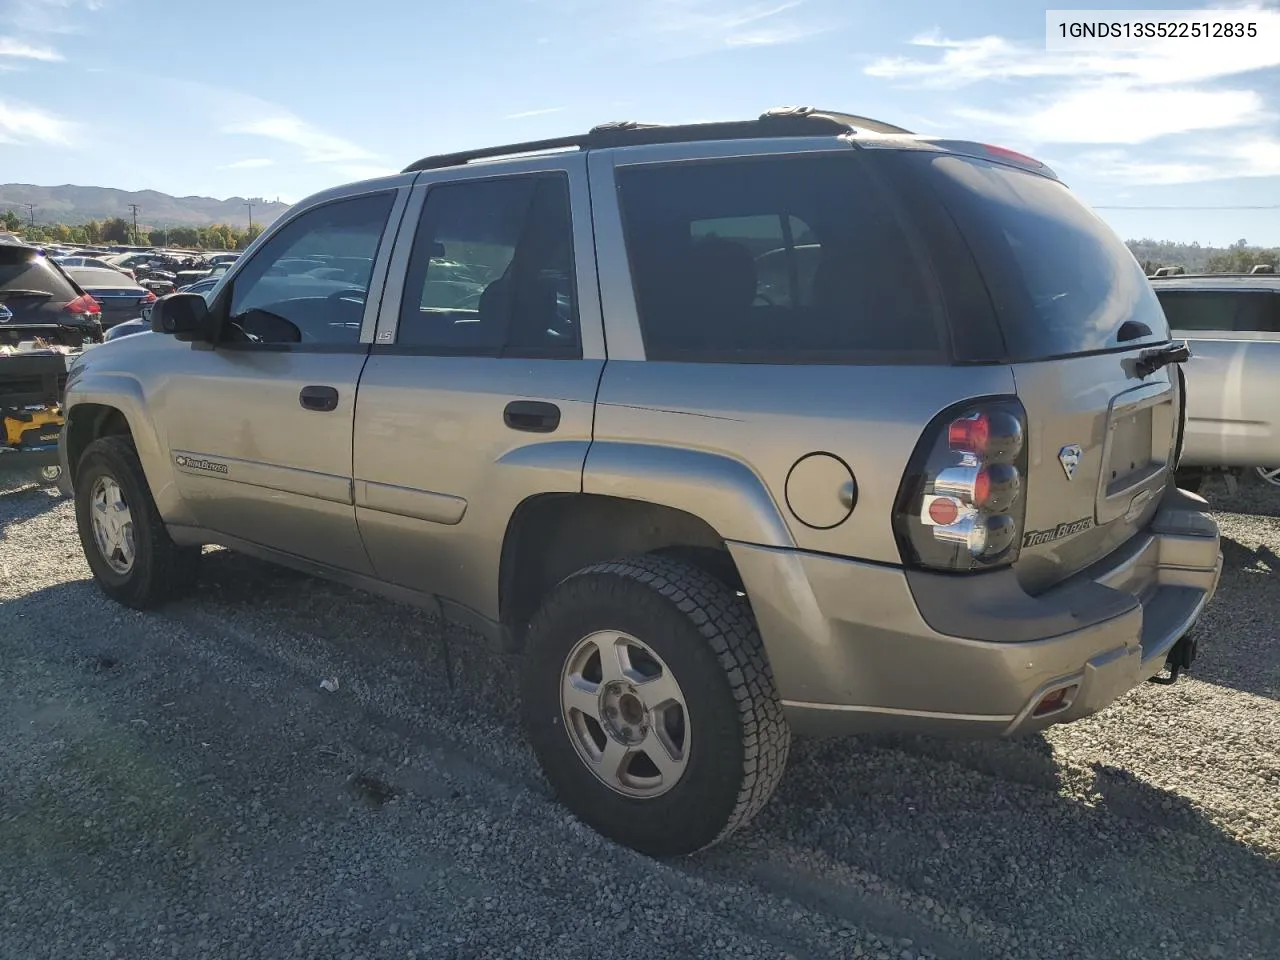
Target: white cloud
[
  {"x": 695, "y": 26},
  {"x": 48, "y": 16},
  {"x": 526, "y": 114},
  {"x": 1115, "y": 112},
  {"x": 666, "y": 29},
  {"x": 20, "y": 49},
  {"x": 317, "y": 146},
  {"x": 978, "y": 59},
  {"x": 1128, "y": 98},
  {"x": 21, "y": 124},
  {"x": 237, "y": 115},
  {"x": 251, "y": 163},
  {"x": 1247, "y": 157}
]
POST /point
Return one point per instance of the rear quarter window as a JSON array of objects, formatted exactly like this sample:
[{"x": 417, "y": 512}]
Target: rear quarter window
[
  {"x": 782, "y": 259},
  {"x": 1061, "y": 281}
]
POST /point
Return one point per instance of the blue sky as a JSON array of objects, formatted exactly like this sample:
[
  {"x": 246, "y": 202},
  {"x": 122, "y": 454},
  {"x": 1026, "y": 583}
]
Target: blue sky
[{"x": 272, "y": 99}]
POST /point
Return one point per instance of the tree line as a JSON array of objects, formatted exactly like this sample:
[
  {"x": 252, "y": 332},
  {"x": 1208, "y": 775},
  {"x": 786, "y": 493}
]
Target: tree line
[
  {"x": 218, "y": 236},
  {"x": 1240, "y": 257}
]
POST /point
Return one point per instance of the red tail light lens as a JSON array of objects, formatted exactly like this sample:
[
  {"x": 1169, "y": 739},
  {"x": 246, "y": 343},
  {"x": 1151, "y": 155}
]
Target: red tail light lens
[
  {"x": 84, "y": 304},
  {"x": 150, "y": 297},
  {"x": 961, "y": 503},
  {"x": 970, "y": 434}
]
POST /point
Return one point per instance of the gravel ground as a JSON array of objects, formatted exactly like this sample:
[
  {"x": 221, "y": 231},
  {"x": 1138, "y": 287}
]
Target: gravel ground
[{"x": 178, "y": 785}]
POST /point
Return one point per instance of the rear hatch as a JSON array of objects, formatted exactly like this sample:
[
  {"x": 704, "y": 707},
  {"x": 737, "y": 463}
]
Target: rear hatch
[{"x": 1071, "y": 312}]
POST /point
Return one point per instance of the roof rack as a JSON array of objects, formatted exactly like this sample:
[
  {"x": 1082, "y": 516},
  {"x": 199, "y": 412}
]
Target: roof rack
[{"x": 779, "y": 122}]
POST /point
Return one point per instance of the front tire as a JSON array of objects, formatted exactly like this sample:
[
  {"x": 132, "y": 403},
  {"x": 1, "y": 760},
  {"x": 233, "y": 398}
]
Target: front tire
[
  {"x": 651, "y": 706},
  {"x": 125, "y": 542}
]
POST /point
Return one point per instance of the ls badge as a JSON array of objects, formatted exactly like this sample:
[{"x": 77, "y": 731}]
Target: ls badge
[{"x": 1069, "y": 456}]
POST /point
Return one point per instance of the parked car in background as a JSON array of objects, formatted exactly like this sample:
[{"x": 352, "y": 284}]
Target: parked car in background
[
  {"x": 201, "y": 286},
  {"x": 35, "y": 289},
  {"x": 159, "y": 287},
  {"x": 127, "y": 328},
  {"x": 1232, "y": 323},
  {"x": 130, "y": 260},
  {"x": 119, "y": 298},
  {"x": 77, "y": 261}
]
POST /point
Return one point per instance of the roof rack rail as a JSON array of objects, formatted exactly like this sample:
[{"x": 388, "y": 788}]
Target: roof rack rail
[{"x": 779, "y": 122}]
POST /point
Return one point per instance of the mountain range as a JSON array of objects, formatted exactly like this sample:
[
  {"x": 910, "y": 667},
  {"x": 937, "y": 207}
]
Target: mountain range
[{"x": 74, "y": 205}]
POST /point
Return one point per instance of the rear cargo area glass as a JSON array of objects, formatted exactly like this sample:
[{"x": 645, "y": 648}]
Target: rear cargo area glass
[
  {"x": 784, "y": 259},
  {"x": 21, "y": 270},
  {"x": 1060, "y": 279}
]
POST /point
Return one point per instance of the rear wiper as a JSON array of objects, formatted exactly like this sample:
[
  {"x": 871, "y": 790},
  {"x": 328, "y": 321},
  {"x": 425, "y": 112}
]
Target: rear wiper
[
  {"x": 1153, "y": 360},
  {"x": 26, "y": 293}
]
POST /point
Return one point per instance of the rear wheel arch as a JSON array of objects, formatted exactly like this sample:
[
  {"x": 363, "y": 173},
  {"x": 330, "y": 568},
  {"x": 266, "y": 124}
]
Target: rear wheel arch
[{"x": 551, "y": 536}]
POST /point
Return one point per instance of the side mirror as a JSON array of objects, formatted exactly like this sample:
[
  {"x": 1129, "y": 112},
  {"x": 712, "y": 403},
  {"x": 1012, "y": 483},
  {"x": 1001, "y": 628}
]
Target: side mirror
[{"x": 184, "y": 316}]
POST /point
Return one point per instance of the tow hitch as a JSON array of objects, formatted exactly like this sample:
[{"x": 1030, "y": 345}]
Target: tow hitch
[{"x": 1178, "y": 660}]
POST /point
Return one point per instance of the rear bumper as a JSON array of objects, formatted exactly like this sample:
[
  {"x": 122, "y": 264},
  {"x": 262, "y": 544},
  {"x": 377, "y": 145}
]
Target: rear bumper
[{"x": 852, "y": 650}]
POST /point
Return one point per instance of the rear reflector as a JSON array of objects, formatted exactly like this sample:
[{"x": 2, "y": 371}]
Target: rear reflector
[{"x": 1054, "y": 701}]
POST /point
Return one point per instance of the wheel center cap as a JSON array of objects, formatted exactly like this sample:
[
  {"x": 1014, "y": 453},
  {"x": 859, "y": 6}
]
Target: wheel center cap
[{"x": 623, "y": 714}]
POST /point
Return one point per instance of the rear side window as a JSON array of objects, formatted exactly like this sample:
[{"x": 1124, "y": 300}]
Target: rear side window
[
  {"x": 775, "y": 260},
  {"x": 1224, "y": 311},
  {"x": 492, "y": 271},
  {"x": 23, "y": 271},
  {"x": 1060, "y": 279}
]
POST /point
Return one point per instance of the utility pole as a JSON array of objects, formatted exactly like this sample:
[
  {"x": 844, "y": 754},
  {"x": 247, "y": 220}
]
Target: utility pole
[
  {"x": 134, "y": 208},
  {"x": 31, "y": 211},
  {"x": 250, "y": 206}
]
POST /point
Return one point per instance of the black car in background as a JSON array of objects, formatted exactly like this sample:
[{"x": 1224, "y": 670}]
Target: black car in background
[
  {"x": 36, "y": 290},
  {"x": 119, "y": 297}
]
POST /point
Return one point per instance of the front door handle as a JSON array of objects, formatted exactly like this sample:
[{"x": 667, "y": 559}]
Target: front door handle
[
  {"x": 533, "y": 416},
  {"x": 318, "y": 398}
]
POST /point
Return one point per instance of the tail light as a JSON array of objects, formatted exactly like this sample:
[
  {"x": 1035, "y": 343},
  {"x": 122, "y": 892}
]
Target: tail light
[
  {"x": 150, "y": 297},
  {"x": 83, "y": 305},
  {"x": 962, "y": 502}
]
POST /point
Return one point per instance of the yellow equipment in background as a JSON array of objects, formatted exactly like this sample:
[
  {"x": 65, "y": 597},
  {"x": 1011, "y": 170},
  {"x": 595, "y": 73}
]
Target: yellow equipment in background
[{"x": 32, "y": 427}]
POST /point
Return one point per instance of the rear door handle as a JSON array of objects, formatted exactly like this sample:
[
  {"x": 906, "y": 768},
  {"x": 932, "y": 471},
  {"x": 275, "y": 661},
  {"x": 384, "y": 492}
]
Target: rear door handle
[
  {"x": 533, "y": 416},
  {"x": 318, "y": 398}
]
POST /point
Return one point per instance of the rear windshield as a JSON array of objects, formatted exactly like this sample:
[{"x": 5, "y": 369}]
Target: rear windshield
[
  {"x": 1226, "y": 311},
  {"x": 23, "y": 270},
  {"x": 1061, "y": 281}
]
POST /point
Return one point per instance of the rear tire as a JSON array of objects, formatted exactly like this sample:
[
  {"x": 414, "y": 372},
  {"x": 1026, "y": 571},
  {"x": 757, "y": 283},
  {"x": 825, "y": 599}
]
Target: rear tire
[
  {"x": 125, "y": 542},
  {"x": 730, "y": 733}
]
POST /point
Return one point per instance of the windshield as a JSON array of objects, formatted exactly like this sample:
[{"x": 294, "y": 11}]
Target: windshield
[{"x": 1061, "y": 281}]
